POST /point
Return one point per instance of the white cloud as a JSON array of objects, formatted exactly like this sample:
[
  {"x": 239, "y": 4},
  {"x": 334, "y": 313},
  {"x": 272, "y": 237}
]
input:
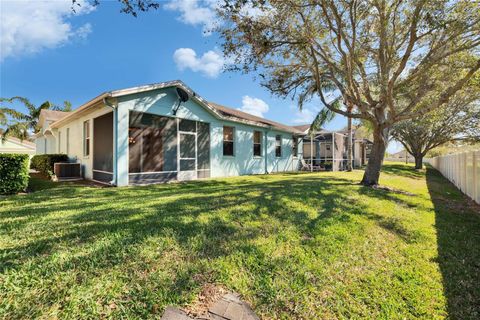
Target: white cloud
[
  {"x": 254, "y": 106},
  {"x": 194, "y": 12},
  {"x": 202, "y": 12},
  {"x": 28, "y": 27},
  {"x": 306, "y": 116},
  {"x": 210, "y": 63}
]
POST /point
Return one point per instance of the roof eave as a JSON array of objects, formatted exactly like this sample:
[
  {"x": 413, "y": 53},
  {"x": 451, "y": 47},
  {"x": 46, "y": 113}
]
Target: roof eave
[{"x": 83, "y": 108}]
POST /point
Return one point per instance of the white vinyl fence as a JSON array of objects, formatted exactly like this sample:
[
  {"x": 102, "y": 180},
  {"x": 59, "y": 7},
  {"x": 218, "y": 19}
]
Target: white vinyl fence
[{"x": 462, "y": 169}]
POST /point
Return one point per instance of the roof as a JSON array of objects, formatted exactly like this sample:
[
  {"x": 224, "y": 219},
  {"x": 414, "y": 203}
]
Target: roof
[
  {"x": 25, "y": 143},
  {"x": 30, "y": 146},
  {"x": 217, "y": 110},
  {"x": 249, "y": 117},
  {"x": 303, "y": 127},
  {"x": 54, "y": 115},
  {"x": 51, "y": 115}
]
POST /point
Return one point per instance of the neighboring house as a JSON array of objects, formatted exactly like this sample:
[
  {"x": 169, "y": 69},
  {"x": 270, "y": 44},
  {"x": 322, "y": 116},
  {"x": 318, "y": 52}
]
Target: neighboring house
[
  {"x": 46, "y": 142},
  {"x": 14, "y": 145},
  {"x": 163, "y": 132},
  {"x": 329, "y": 148}
]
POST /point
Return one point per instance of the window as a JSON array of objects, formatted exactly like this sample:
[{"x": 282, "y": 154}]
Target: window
[
  {"x": 228, "y": 139},
  {"x": 86, "y": 138},
  {"x": 257, "y": 143},
  {"x": 278, "y": 146},
  {"x": 59, "y": 142},
  {"x": 295, "y": 146},
  {"x": 328, "y": 147},
  {"x": 68, "y": 140}
]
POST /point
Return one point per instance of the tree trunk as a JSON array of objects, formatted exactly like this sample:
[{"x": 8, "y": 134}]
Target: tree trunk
[
  {"x": 418, "y": 161},
  {"x": 372, "y": 172},
  {"x": 349, "y": 145}
]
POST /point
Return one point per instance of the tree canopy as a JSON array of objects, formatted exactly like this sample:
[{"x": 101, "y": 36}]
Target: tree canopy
[
  {"x": 373, "y": 52},
  {"x": 459, "y": 119}
]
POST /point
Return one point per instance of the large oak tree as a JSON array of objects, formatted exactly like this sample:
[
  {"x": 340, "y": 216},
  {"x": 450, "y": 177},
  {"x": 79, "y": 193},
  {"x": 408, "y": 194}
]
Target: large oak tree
[
  {"x": 457, "y": 120},
  {"x": 374, "y": 52}
]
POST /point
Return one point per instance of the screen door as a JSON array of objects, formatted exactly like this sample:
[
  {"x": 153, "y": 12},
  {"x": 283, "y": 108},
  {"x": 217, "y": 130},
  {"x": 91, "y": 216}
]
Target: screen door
[{"x": 187, "y": 159}]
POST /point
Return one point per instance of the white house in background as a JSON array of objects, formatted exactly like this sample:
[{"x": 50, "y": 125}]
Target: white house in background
[
  {"x": 14, "y": 145},
  {"x": 165, "y": 131},
  {"x": 45, "y": 141}
]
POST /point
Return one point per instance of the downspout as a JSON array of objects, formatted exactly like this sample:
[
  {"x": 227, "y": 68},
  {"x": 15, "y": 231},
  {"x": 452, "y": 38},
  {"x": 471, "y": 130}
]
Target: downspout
[{"x": 115, "y": 130}]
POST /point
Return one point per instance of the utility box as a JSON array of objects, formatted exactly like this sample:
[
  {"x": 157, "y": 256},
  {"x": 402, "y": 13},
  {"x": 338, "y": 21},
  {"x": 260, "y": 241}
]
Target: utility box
[{"x": 67, "y": 171}]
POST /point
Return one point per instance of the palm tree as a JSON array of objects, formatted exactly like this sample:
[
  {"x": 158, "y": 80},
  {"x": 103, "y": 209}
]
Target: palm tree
[{"x": 21, "y": 125}]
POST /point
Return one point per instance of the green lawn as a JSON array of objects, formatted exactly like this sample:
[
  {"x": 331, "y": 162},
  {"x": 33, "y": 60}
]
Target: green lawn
[{"x": 294, "y": 245}]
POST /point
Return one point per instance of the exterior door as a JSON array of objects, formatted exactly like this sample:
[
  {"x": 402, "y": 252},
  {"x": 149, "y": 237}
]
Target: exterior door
[{"x": 187, "y": 159}]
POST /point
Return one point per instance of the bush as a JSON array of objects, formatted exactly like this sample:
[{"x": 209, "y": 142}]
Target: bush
[
  {"x": 44, "y": 162},
  {"x": 13, "y": 172}
]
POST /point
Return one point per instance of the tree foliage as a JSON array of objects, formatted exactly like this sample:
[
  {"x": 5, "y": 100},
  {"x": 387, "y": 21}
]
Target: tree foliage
[
  {"x": 131, "y": 7},
  {"x": 374, "y": 53},
  {"x": 459, "y": 119},
  {"x": 21, "y": 125}
]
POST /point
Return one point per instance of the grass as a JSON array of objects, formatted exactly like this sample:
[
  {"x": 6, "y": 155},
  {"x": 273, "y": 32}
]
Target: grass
[{"x": 294, "y": 245}]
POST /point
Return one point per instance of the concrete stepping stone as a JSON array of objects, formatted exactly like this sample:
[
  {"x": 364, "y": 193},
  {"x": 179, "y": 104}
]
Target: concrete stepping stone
[
  {"x": 172, "y": 313},
  {"x": 229, "y": 307}
]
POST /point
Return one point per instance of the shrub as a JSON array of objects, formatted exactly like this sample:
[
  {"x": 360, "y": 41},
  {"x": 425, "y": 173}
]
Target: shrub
[
  {"x": 44, "y": 162},
  {"x": 13, "y": 172}
]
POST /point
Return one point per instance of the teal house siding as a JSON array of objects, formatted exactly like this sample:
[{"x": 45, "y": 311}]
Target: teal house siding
[
  {"x": 161, "y": 102},
  {"x": 107, "y": 160}
]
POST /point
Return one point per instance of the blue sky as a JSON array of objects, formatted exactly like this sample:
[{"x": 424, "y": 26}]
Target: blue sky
[{"x": 49, "y": 53}]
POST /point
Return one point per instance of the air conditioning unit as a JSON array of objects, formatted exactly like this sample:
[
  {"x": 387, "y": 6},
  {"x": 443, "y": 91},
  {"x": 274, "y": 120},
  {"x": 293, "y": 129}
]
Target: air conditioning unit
[{"x": 67, "y": 171}]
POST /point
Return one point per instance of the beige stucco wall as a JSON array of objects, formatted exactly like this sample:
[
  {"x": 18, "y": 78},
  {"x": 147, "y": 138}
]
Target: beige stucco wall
[{"x": 75, "y": 140}]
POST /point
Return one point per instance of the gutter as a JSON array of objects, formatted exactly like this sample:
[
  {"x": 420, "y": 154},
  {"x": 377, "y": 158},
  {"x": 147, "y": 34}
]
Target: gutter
[{"x": 115, "y": 130}]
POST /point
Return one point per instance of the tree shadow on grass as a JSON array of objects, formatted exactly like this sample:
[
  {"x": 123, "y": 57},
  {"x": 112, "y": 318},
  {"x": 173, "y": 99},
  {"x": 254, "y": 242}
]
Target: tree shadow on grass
[
  {"x": 403, "y": 170},
  {"x": 457, "y": 221},
  {"x": 96, "y": 231}
]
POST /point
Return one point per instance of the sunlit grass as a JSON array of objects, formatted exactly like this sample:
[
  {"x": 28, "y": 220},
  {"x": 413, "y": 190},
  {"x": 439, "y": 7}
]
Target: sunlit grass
[{"x": 294, "y": 245}]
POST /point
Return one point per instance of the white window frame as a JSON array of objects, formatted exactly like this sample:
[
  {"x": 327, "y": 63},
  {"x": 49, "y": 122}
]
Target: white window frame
[
  {"x": 86, "y": 138},
  {"x": 232, "y": 141},
  {"x": 68, "y": 141},
  {"x": 276, "y": 140},
  {"x": 259, "y": 143},
  {"x": 295, "y": 141},
  {"x": 59, "y": 141}
]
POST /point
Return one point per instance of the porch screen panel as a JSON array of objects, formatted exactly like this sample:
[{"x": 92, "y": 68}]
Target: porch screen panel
[
  {"x": 102, "y": 147},
  {"x": 306, "y": 150},
  {"x": 187, "y": 152},
  {"x": 152, "y": 148},
  {"x": 203, "y": 150}
]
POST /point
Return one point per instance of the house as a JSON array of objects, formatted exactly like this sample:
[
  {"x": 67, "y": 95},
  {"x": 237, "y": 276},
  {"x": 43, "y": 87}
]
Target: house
[
  {"x": 163, "y": 132},
  {"x": 329, "y": 148},
  {"x": 45, "y": 141},
  {"x": 14, "y": 145}
]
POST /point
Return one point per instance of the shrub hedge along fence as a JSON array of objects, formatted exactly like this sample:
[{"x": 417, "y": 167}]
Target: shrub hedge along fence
[
  {"x": 13, "y": 173},
  {"x": 44, "y": 162}
]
